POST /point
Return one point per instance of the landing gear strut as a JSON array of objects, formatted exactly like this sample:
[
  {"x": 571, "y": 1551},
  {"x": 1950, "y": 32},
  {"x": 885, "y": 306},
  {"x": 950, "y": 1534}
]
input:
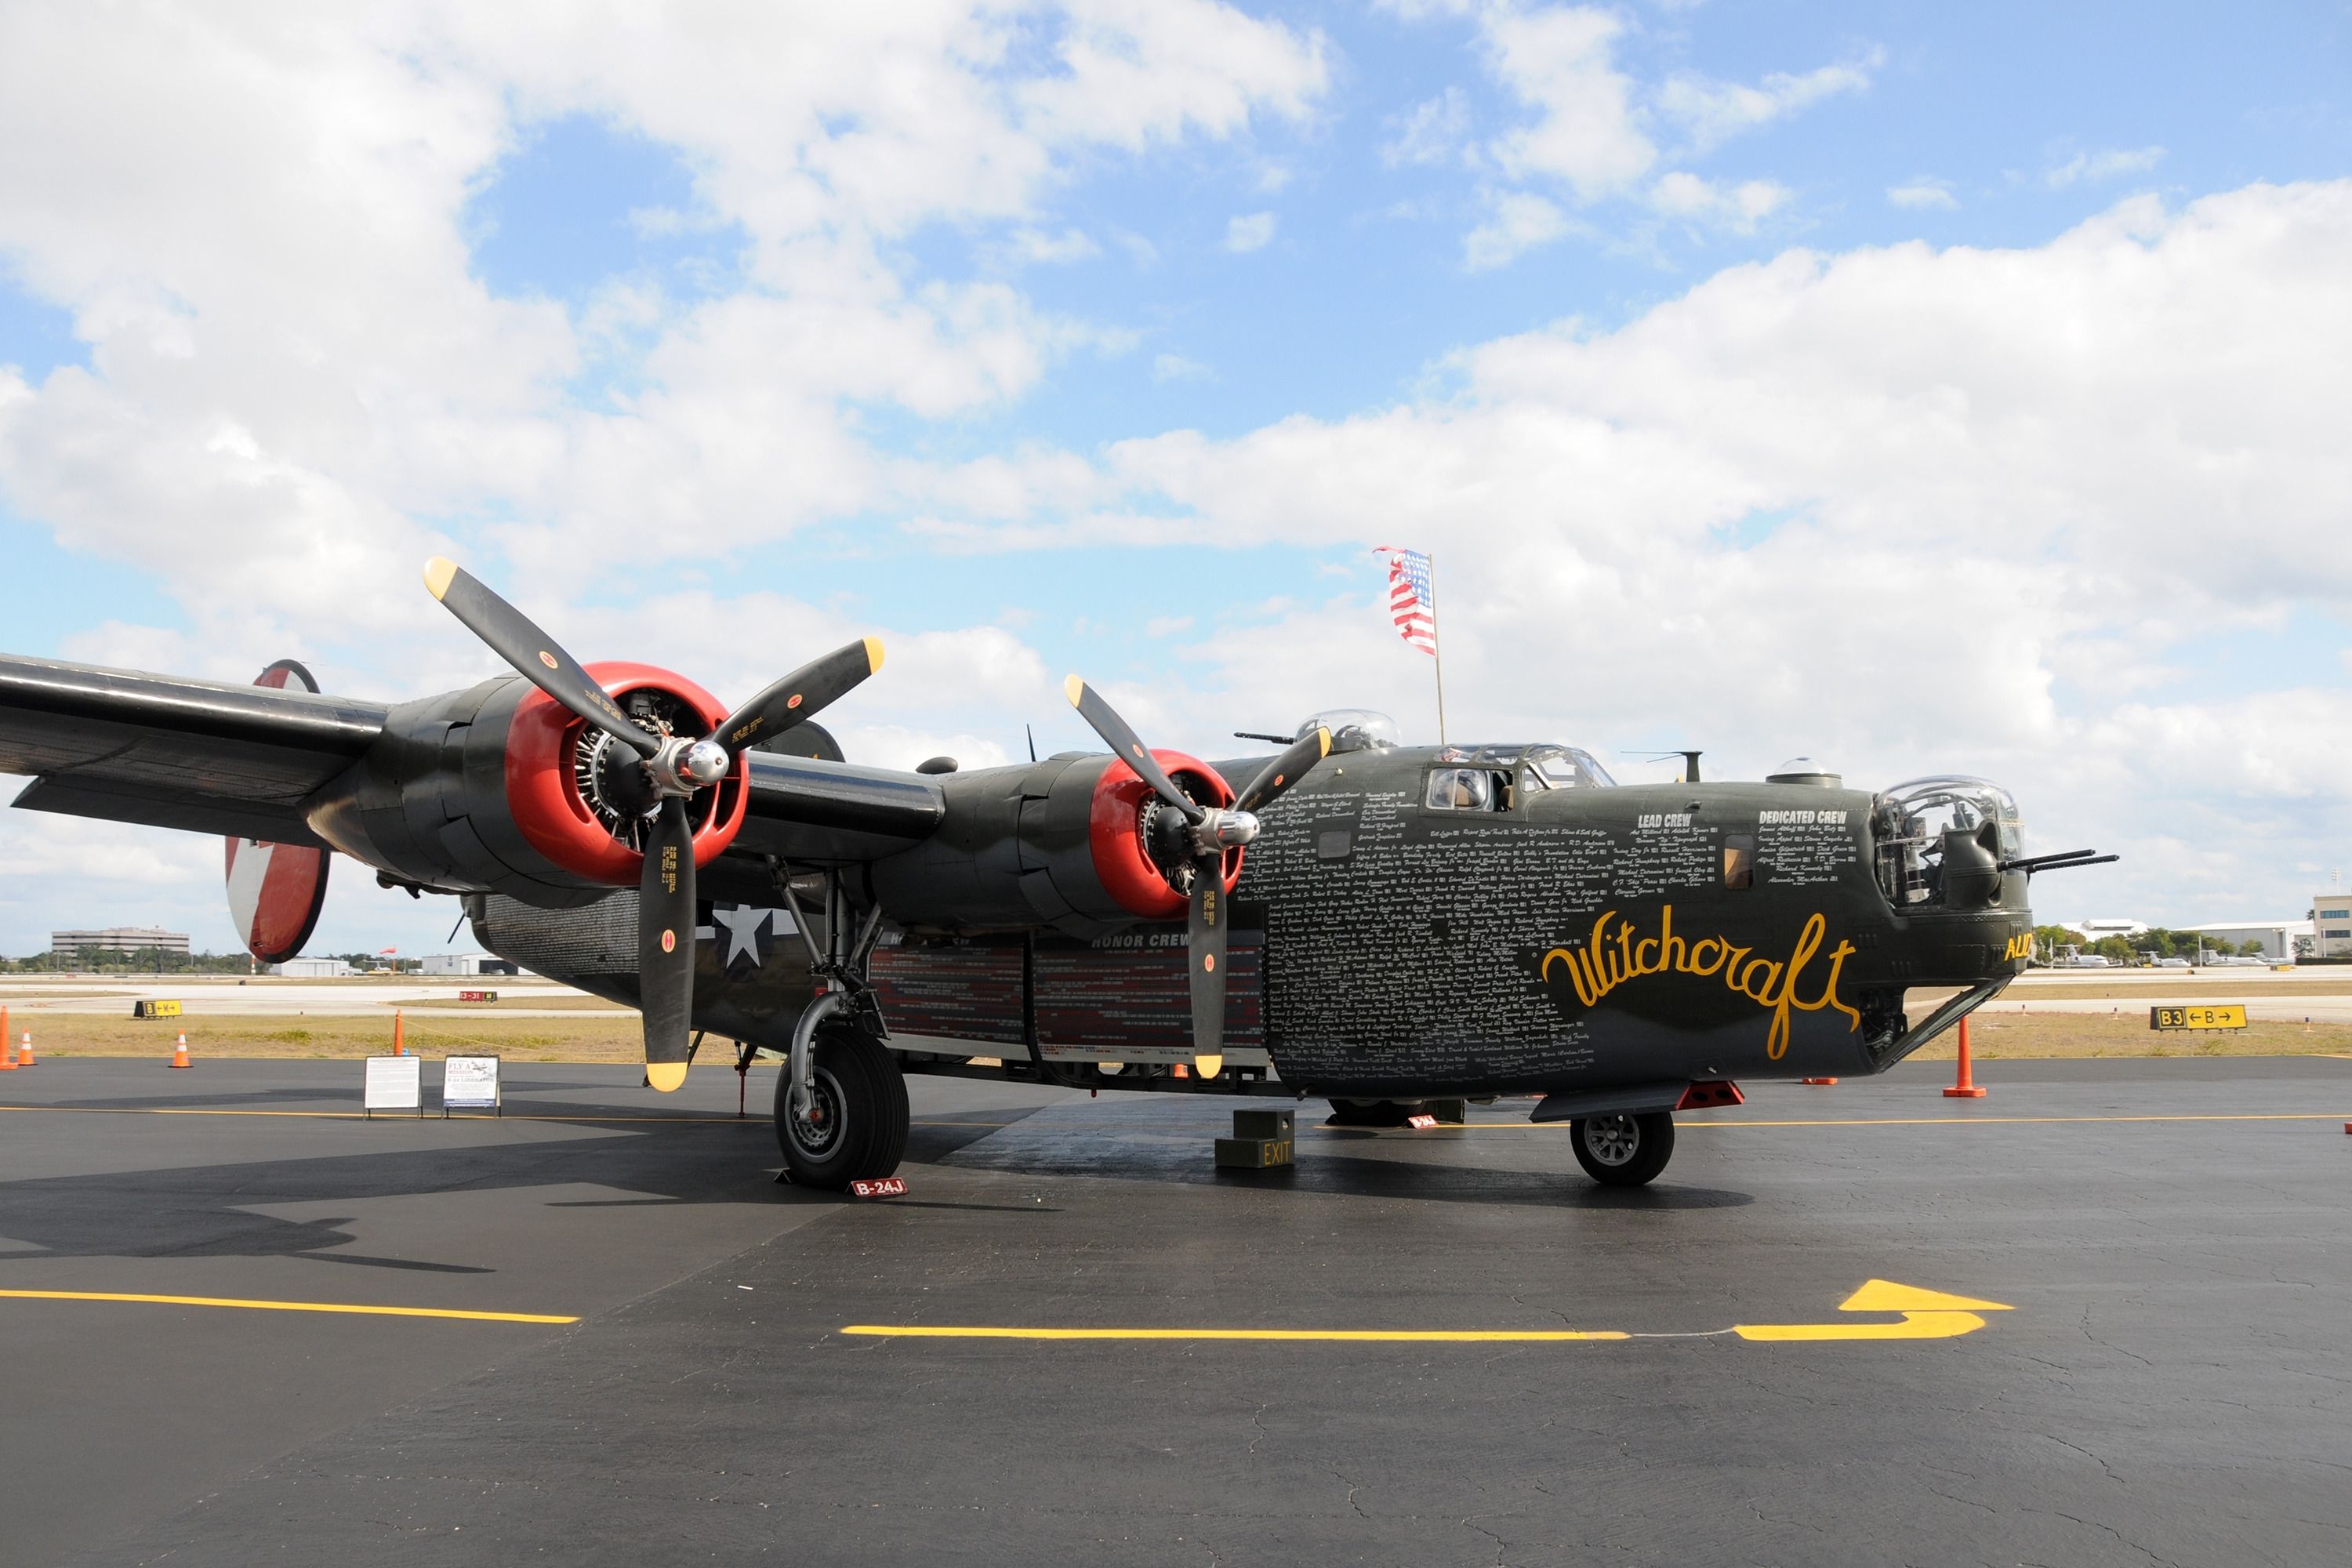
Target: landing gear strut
[
  {"x": 841, "y": 1100},
  {"x": 1623, "y": 1151}
]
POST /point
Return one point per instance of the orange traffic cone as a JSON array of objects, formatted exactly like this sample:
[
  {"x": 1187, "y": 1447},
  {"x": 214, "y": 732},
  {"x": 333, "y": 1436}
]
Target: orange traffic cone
[
  {"x": 8, "y": 1062},
  {"x": 180, "y": 1052},
  {"x": 1821, "y": 1082},
  {"x": 24, "y": 1053},
  {"x": 1966, "y": 1089},
  {"x": 399, "y": 1046}
]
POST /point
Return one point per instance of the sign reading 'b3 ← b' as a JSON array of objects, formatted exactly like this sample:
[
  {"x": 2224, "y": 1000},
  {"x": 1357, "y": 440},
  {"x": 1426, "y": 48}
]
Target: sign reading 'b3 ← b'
[{"x": 2232, "y": 1016}]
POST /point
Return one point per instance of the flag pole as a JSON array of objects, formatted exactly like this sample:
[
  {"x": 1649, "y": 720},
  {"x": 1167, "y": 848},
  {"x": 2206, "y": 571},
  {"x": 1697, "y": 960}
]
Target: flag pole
[{"x": 1437, "y": 659}]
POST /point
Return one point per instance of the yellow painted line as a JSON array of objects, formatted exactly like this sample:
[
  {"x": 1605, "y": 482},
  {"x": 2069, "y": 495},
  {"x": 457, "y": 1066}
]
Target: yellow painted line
[
  {"x": 285, "y": 1306},
  {"x": 1914, "y": 1326},
  {"x": 1414, "y": 1336},
  {"x": 1920, "y": 1315}
]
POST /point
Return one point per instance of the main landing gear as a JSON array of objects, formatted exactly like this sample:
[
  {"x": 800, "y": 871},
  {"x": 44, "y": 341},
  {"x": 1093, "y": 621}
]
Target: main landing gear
[
  {"x": 857, "y": 1129},
  {"x": 1623, "y": 1151}
]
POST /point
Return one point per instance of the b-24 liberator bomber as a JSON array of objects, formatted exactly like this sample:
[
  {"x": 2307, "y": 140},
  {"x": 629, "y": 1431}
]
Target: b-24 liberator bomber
[{"x": 1349, "y": 918}]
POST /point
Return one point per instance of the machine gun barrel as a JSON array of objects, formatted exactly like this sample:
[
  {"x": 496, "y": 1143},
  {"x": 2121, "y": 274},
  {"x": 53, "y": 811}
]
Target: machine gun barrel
[{"x": 2065, "y": 861}]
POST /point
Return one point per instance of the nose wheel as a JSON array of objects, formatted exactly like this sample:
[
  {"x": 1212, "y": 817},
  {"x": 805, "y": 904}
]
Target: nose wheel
[
  {"x": 856, "y": 1129},
  {"x": 1623, "y": 1151}
]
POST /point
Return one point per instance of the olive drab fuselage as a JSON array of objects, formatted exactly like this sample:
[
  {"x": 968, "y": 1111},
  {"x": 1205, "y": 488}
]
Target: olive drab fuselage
[{"x": 1402, "y": 930}]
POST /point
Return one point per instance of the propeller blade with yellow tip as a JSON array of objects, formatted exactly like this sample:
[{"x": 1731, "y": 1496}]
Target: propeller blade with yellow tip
[
  {"x": 1105, "y": 722},
  {"x": 1205, "y": 952},
  {"x": 1286, "y": 770},
  {"x": 665, "y": 945},
  {"x": 535, "y": 656},
  {"x": 799, "y": 695}
]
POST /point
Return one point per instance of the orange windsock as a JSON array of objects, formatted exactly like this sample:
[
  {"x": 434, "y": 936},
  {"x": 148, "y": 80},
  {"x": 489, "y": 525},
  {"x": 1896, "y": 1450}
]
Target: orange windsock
[{"x": 180, "y": 1052}]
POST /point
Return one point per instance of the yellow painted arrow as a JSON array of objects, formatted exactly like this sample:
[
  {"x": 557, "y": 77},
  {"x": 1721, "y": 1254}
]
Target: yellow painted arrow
[
  {"x": 1927, "y": 1315},
  {"x": 1924, "y": 1315}
]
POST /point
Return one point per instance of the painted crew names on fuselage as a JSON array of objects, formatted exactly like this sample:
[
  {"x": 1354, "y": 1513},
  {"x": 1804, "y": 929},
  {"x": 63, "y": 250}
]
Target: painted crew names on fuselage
[{"x": 1804, "y": 849}]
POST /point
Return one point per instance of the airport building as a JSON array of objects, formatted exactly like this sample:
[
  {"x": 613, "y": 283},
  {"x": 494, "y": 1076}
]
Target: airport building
[
  {"x": 2277, "y": 937},
  {"x": 123, "y": 940},
  {"x": 2331, "y": 923},
  {"x": 313, "y": 969},
  {"x": 464, "y": 963}
]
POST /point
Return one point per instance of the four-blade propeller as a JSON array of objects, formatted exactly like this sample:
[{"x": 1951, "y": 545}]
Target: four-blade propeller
[
  {"x": 1209, "y": 831},
  {"x": 667, "y": 773}
]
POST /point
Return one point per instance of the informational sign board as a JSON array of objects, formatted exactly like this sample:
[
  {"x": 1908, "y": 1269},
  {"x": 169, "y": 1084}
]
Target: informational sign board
[
  {"x": 478, "y": 996},
  {"x": 471, "y": 1083},
  {"x": 395, "y": 1083},
  {"x": 2230, "y": 1017},
  {"x": 154, "y": 1009},
  {"x": 887, "y": 1187}
]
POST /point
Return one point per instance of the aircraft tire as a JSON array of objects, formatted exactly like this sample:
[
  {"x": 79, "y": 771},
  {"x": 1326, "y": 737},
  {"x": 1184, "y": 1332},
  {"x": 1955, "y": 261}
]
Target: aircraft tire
[
  {"x": 862, "y": 1092},
  {"x": 1623, "y": 1151}
]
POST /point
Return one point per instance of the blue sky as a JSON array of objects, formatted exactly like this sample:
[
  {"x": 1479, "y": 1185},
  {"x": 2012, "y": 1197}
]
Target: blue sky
[{"x": 1044, "y": 366}]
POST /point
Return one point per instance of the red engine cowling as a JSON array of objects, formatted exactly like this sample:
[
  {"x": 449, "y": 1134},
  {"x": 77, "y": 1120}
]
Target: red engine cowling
[
  {"x": 550, "y": 791},
  {"x": 1079, "y": 843},
  {"x": 1120, "y": 839}
]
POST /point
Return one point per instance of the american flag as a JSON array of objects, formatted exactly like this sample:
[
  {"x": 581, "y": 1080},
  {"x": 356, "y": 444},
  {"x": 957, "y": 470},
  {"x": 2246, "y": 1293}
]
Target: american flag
[{"x": 1413, "y": 601}]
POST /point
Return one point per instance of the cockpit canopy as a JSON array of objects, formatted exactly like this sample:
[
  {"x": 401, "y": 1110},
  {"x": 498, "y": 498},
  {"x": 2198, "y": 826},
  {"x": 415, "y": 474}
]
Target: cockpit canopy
[
  {"x": 1498, "y": 778},
  {"x": 1354, "y": 728}
]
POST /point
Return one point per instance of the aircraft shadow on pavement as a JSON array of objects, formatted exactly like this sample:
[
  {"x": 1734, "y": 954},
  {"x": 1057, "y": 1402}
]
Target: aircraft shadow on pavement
[
  {"x": 207, "y": 1210},
  {"x": 1427, "y": 1174},
  {"x": 338, "y": 1097},
  {"x": 1432, "y": 1181}
]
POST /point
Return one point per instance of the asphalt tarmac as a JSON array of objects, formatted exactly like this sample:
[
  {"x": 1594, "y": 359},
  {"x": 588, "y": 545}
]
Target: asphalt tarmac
[{"x": 2110, "y": 1327}]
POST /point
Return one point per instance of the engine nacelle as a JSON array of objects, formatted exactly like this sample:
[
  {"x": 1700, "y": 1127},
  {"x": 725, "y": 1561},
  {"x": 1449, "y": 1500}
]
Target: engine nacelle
[
  {"x": 496, "y": 789},
  {"x": 1079, "y": 843}
]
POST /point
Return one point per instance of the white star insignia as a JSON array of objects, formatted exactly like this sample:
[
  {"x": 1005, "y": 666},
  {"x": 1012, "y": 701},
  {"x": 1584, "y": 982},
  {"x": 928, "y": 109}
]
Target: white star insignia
[{"x": 742, "y": 924}]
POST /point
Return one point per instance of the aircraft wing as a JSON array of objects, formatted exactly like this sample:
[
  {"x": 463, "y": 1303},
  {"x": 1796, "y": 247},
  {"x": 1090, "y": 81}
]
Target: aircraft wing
[
  {"x": 241, "y": 761},
  {"x": 170, "y": 751}
]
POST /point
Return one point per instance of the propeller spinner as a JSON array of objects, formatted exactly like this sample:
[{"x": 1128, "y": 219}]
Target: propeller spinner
[
  {"x": 1209, "y": 832},
  {"x": 665, "y": 773}
]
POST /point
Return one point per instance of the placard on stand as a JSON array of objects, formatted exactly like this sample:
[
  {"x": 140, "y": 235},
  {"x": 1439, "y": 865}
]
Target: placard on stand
[
  {"x": 471, "y": 1083},
  {"x": 395, "y": 1083}
]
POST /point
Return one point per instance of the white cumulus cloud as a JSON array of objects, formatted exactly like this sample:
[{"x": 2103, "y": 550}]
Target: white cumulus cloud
[
  {"x": 1248, "y": 232},
  {"x": 2105, "y": 165},
  {"x": 1712, "y": 112},
  {"x": 1922, "y": 194}
]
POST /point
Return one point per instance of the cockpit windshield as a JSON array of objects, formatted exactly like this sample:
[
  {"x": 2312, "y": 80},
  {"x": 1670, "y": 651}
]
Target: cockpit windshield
[
  {"x": 1565, "y": 767},
  {"x": 1543, "y": 767},
  {"x": 1921, "y": 826}
]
